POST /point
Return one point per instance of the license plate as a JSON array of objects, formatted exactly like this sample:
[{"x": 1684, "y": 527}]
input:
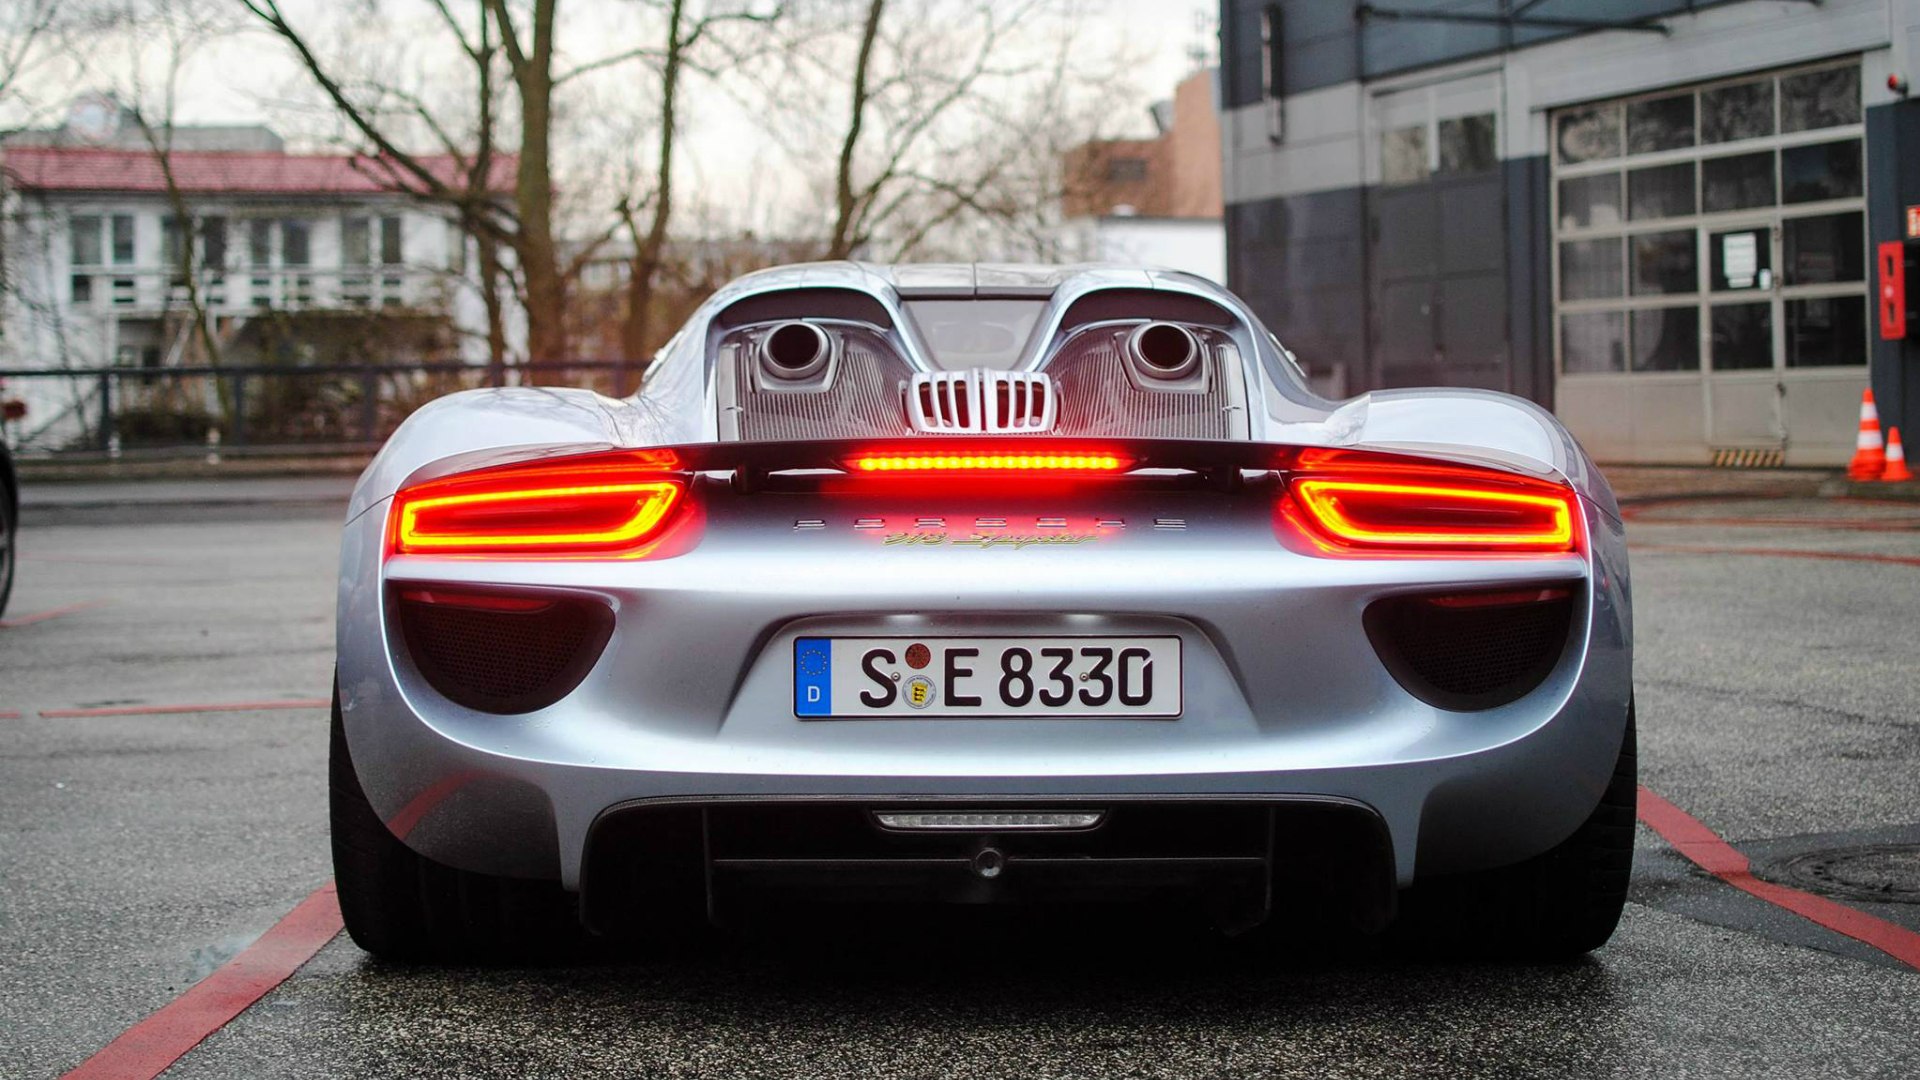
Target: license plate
[{"x": 986, "y": 676}]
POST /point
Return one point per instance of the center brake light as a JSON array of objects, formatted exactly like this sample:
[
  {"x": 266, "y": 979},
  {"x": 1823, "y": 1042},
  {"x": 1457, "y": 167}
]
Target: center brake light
[
  {"x": 598, "y": 504},
  {"x": 1067, "y": 461},
  {"x": 1357, "y": 508}
]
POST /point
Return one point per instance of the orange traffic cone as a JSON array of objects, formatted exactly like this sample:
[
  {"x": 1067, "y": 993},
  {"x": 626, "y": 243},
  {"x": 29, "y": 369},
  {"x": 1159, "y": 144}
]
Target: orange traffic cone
[
  {"x": 1869, "y": 460},
  {"x": 1896, "y": 459}
]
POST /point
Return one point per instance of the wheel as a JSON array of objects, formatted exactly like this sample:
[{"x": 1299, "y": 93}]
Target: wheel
[
  {"x": 1555, "y": 906},
  {"x": 399, "y": 905}
]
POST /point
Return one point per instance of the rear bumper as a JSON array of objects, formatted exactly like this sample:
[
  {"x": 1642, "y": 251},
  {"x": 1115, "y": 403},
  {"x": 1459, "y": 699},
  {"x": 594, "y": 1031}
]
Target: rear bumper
[
  {"x": 671, "y": 861},
  {"x": 1274, "y": 713}
]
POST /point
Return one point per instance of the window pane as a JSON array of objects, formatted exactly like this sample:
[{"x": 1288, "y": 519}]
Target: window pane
[
  {"x": 294, "y": 242},
  {"x": 390, "y": 241},
  {"x": 260, "y": 242},
  {"x": 83, "y": 240},
  {"x": 1740, "y": 111},
  {"x": 1403, "y": 155},
  {"x": 1591, "y": 134},
  {"x": 1661, "y": 124},
  {"x": 355, "y": 247},
  {"x": 1831, "y": 247},
  {"x": 1820, "y": 99},
  {"x": 1829, "y": 332},
  {"x": 1590, "y": 200},
  {"x": 1665, "y": 262},
  {"x": 123, "y": 239},
  {"x": 1740, "y": 182},
  {"x": 1741, "y": 259},
  {"x": 213, "y": 242},
  {"x": 1590, "y": 269},
  {"x": 169, "y": 240},
  {"x": 1666, "y": 339},
  {"x": 1466, "y": 145},
  {"x": 1660, "y": 192},
  {"x": 1593, "y": 342},
  {"x": 1821, "y": 171},
  {"x": 1742, "y": 337},
  {"x": 82, "y": 284}
]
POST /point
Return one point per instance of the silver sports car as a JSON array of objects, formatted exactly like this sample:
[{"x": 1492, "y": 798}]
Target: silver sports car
[{"x": 980, "y": 584}]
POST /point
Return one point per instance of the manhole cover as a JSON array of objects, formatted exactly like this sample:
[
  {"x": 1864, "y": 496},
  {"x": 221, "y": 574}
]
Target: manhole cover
[{"x": 1888, "y": 873}]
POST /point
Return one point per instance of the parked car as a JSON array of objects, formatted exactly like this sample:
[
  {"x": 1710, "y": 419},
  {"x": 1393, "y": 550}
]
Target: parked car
[{"x": 980, "y": 584}]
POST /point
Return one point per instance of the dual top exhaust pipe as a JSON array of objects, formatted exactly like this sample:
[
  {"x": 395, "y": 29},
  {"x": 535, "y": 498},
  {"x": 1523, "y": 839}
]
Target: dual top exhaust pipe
[
  {"x": 795, "y": 350},
  {"x": 1163, "y": 350}
]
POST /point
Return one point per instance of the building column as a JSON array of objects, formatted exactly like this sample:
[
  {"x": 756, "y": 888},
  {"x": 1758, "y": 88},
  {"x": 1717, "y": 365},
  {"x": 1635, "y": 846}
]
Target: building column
[{"x": 1893, "y": 184}]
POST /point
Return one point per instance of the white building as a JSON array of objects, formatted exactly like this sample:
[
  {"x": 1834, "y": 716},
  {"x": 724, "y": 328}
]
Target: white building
[{"x": 301, "y": 258}]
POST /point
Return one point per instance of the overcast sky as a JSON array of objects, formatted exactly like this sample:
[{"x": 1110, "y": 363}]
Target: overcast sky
[{"x": 248, "y": 77}]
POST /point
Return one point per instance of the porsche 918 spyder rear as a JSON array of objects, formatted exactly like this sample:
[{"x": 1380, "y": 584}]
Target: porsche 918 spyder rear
[{"x": 662, "y": 684}]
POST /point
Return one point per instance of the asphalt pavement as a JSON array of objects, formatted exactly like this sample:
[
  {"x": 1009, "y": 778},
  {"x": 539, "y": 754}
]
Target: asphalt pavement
[{"x": 162, "y": 806}]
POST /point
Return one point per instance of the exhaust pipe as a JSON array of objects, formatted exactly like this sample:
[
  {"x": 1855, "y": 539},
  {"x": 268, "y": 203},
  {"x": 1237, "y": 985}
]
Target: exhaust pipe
[
  {"x": 1164, "y": 350},
  {"x": 795, "y": 350}
]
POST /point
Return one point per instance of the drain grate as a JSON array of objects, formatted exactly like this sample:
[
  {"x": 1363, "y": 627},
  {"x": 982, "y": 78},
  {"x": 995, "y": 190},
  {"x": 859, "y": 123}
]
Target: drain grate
[{"x": 1887, "y": 873}]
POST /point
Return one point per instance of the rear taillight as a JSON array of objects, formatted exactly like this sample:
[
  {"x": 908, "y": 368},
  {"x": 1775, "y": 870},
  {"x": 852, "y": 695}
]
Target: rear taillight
[
  {"x": 600, "y": 504},
  {"x": 1432, "y": 510}
]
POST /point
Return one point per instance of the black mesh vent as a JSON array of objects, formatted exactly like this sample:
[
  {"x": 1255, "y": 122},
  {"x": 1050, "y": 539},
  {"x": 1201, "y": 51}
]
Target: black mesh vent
[
  {"x": 1097, "y": 397},
  {"x": 863, "y": 400},
  {"x": 1486, "y": 651},
  {"x": 503, "y": 660}
]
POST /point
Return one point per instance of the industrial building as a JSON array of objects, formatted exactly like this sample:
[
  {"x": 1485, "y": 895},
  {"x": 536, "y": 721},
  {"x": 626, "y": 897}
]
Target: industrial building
[{"x": 1660, "y": 219}]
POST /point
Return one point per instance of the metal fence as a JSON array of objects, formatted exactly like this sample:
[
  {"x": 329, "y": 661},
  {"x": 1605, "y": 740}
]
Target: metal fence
[{"x": 136, "y": 410}]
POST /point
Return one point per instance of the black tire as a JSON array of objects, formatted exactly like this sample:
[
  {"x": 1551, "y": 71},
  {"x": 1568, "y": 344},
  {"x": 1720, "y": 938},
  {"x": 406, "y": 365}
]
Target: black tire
[
  {"x": 399, "y": 905},
  {"x": 9, "y": 519},
  {"x": 1555, "y": 906}
]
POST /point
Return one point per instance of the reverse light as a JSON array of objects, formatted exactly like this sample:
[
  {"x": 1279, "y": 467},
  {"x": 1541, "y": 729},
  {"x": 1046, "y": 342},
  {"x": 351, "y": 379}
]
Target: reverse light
[
  {"x": 605, "y": 504},
  {"x": 987, "y": 821},
  {"x": 1436, "y": 513},
  {"x": 1067, "y": 462}
]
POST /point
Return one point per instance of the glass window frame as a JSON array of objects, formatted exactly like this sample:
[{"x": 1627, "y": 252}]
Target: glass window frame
[{"x": 1702, "y": 221}]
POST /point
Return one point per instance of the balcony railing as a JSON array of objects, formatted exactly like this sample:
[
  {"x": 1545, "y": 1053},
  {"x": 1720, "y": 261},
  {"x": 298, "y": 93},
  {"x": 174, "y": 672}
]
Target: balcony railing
[{"x": 141, "y": 290}]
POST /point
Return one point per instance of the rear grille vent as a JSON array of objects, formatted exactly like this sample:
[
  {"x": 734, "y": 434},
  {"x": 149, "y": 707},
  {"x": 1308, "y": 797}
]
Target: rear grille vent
[
  {"x": 502, "y": 654},
  {"x": 1472, "y": 651},
  {"x": 981, "y": 400},
  {"x": 1098, "y": 396},
  {"x": 862, "y": 399}
]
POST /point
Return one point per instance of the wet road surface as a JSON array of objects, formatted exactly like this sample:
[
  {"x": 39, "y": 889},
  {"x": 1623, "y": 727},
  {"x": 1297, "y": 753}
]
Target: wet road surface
[{"x": 142, "y": 850}]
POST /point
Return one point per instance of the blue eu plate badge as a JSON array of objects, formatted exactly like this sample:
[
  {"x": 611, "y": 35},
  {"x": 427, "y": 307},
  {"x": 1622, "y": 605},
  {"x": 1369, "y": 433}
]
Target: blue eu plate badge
[{"x": 812, "y": 677}]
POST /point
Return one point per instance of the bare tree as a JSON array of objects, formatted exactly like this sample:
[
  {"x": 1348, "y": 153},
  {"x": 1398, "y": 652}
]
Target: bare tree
[
  {"x": 180, "y": 26},
  {"x": 937, "y": 106},
  {"x": 690, "y": 25},
  {"x": 525, "y": 224},
  {"x": 29, "y": 30}
]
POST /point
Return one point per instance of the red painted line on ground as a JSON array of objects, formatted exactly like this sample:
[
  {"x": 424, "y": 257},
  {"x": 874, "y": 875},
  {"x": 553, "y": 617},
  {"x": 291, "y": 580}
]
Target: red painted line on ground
[
  {"x": 1703, "y": 847},
  {"x": 144, "y": 1050},
  {"x": 1842, "y": 524},
  {"x": 165, "y": 710},
  {"x": 9, "y": 714},
  {"x": 1778, "y": 553},
  {"x": 43, "y": 616}
]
